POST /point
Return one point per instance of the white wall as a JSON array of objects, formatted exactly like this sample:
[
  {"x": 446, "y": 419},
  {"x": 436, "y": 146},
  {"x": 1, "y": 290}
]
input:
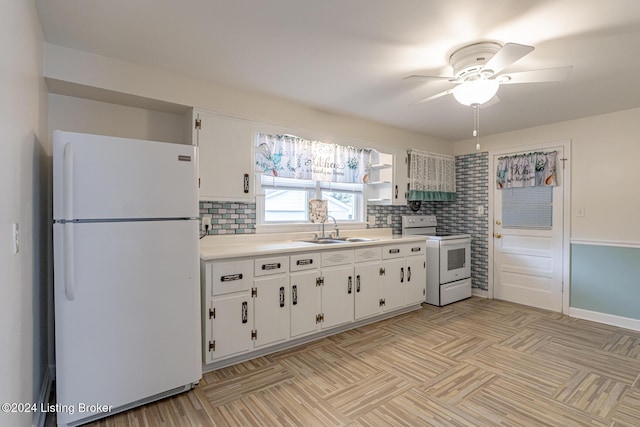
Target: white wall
[
  {"x": 81, "y": 68},
  {"x": 604, "y": 171},
  {"x": 87, "y": 116},
  {"x": 24, "y": 199}
]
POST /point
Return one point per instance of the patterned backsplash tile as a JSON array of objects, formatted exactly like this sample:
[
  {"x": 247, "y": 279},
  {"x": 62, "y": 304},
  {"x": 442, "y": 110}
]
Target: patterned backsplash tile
[{"x": 461, "y": 216}]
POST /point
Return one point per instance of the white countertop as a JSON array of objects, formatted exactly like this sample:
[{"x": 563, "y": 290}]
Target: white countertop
[{"x": 249, "y": 245}]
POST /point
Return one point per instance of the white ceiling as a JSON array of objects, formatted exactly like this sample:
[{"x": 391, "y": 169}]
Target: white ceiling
[{"x": 349, "y": 56}]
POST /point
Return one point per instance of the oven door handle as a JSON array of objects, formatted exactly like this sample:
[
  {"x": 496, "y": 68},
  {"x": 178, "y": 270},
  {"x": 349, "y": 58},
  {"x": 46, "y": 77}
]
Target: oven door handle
[{"x": 456, "y": 242}]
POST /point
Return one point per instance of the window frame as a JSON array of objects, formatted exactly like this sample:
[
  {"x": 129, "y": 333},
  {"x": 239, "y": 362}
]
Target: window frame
[{"x": 314, "y": 189}]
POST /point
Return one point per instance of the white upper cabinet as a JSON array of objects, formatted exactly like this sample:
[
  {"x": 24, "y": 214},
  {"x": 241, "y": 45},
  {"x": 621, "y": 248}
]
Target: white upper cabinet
[
  {"x": 388, "y": 180},
  {"x": 224, "y": 160}
]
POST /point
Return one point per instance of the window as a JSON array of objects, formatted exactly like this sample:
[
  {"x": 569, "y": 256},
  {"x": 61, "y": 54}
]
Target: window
[
  {"x": 287, "y": 199},
  {"x": 530, "y": 207}
]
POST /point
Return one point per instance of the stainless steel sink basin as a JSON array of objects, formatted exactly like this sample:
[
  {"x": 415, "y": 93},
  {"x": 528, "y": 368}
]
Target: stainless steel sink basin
[{"x": 323, "y": 241}]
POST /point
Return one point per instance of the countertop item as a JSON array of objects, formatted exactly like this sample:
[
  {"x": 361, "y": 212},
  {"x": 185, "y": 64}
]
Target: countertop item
[{"x": 232, "y": 246}]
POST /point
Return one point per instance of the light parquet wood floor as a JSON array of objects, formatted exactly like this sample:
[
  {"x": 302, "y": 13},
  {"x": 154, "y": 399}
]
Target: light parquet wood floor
[{"x": 478, "y": 362}]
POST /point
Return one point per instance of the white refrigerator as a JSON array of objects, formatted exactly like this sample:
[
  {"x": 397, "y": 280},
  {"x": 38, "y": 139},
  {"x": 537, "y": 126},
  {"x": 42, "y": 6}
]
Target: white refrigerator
[{"x": 126, "y": 273}]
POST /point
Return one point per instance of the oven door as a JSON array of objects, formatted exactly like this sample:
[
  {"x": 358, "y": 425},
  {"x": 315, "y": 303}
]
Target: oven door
[{"x": 455, "y": 259}]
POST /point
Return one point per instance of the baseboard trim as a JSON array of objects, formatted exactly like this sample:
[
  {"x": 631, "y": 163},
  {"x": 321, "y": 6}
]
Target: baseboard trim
[
  {"x": 609, "y": 319},
  {"x": 39, "y": 417},
  {"x": 477, "y": 292}
]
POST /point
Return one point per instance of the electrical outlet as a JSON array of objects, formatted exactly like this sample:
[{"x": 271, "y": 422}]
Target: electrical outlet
[
  {"x": 206, "y": 223},
  {"x": 372, "y": 220},
  {"x": 389, "y": 219},
  {"x": 480, "y": 210}
]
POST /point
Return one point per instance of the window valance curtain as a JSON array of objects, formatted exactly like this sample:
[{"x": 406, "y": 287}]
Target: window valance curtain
[
  {"x": 288, "y": 156},
  {"x": 432, "y": 176},
  {"x": 527, "y": 170}
]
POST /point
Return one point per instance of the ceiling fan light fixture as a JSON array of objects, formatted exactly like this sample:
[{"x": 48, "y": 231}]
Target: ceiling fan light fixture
[{"x": 476, "y": 91}]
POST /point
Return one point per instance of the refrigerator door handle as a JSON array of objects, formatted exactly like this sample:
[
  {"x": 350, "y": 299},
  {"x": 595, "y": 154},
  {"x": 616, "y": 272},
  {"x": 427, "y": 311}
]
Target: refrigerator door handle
[
  {"x": 67, "y": 180},
  {"x": 69, "y": 263}
]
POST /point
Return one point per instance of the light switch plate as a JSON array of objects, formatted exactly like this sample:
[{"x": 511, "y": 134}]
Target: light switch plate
[{"x": 372, "y": 220}]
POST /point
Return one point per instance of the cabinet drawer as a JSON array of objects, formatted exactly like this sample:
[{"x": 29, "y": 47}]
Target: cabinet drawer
[
  {"x": 368, "y": 254},
  {"x": 231, "y": 276},
  {"x": 330, "y": 258},
  {"x": 271, "y": 265},
  {"x": 301, "y": 262},
  {"x": 416, "y": 248},
  {"x": 394, "y": 251}
]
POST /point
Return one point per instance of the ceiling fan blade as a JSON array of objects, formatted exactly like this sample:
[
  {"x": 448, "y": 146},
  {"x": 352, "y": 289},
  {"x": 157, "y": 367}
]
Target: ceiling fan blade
[
  {"x": 436, "y": 96},
  {"x": 536, "y": 76},
  {"x": 419, "y": 77},
  {"x": 506, "y": 56}
]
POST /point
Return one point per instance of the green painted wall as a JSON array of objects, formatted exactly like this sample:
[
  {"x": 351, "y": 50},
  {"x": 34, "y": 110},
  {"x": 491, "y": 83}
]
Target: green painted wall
[{"x": 606, "y": 279}]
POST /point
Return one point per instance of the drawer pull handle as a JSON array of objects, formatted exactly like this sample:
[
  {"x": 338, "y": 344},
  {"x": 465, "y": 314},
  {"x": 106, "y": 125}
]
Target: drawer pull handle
[
  {"x": 272, "y": 266},
  {"x": 349, "y": 285},
  {"x": 394, "y": 251},
  {"x": 408, "y": 274},
  {"x": 416, "y": 249},
  {"x": 294, "y": 295},
  {"x": 246, "y": 183},
  {"x": 358, "y": 283},
  {"x": 245, "y": 312},
  {"x": 231, "y": 277},
  {"x": 281, "y": 296},
  {"x": 307, "y": 261},
  {"x": 401, "y": 274}
]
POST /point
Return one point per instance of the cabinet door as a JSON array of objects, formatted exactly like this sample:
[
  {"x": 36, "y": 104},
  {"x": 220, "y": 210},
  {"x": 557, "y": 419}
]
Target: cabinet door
[
  {"x": 305, "y": 302},
  {"x": 231, "y": 325},
  {"x": 416, "y": 277},
  {"x": 337, "y": 295},
  {"x": 271, "y": 310},
  {"x": 400, "y": 178},
  {"x": 368, "y": 289},
  {"x": 224, "y": 158},
  {"x": 394, "y": 284}
]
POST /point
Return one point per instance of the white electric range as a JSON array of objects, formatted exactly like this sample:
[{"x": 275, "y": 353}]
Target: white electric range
[{"x": 448, "y": 260}]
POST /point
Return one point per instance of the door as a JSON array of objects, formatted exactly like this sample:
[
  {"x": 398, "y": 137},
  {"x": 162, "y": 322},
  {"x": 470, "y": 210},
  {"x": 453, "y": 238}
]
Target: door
[
  {"x": 271, "y": 310},
  {"x": 394, "y": 290},
  {"x": 416, "y": 278},
  {"x": 98, "y": 177},
  {"x": 337, "y": 296},
  {"x": 367, "y": 289},
  {"x": 225, "y": 172},
  {"x": 529, "y": 242},
  {"x": 305, "y": 302},
  {"x": 126, "y": 307}
]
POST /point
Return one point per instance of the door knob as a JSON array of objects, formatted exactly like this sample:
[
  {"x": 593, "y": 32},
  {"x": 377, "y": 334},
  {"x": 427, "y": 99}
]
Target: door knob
[
  {"x": 497, "y": 235},
  {"x": 498, "y": 222}
]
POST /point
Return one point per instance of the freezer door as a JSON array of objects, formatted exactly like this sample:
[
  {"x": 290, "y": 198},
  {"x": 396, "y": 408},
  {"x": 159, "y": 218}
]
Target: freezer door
[
  {"x": 100, "y": 177},
  {"x": 127, "y": 311}
]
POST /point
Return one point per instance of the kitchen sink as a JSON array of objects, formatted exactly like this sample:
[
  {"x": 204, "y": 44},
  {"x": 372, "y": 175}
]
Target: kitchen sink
[{"x": 325, "y": 240}]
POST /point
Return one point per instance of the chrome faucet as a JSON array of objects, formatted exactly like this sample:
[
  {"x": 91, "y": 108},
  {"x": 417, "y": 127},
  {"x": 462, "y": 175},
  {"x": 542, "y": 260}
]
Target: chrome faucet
[{"x": 335, "y": 224}]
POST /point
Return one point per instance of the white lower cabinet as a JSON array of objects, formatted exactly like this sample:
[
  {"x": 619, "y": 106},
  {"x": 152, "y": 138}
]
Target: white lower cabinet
[
  {"x": 416, "y": 263},
  {"x": 231, "y": 323},
  {"x": 251, "y": 304},
  {"x": 271, "y": 310},
  {"x": 270, "y": 301},
  {"x": 337, "y": 296}
]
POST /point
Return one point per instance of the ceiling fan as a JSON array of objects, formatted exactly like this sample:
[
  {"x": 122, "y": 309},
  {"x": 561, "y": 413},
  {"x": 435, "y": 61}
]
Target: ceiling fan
[{"x": 478, "y": 72}]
